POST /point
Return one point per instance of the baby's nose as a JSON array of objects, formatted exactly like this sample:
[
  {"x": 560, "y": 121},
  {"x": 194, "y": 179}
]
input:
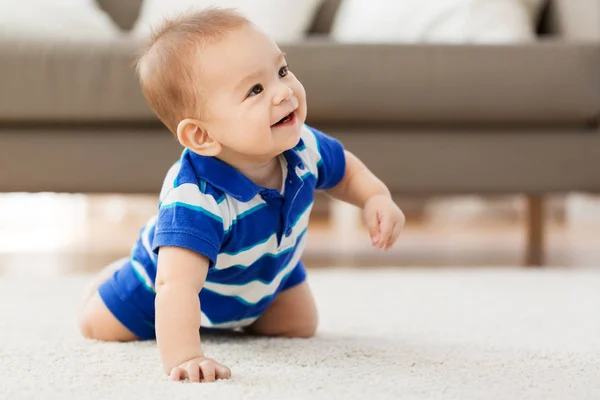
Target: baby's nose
[{"x": 284, "y": 94}]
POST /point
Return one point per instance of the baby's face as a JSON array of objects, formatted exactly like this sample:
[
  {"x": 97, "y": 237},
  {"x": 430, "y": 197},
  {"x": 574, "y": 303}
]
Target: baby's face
[{"x": 255, "y": 105}]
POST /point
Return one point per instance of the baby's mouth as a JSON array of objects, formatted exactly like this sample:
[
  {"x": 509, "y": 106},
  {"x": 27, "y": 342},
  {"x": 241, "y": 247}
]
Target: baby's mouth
[{"x": 286, "y": 120}]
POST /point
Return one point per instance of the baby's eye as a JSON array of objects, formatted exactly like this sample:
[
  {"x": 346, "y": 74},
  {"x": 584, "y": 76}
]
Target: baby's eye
[
  {"x": 256, "y": 89},
  {"x": 283, "y": 71}
]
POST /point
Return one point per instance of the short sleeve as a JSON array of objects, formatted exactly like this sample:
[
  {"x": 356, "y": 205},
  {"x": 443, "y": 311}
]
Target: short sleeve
[
  {"x": 190, "y": 219},
  {"x": 328, "y": 155}
]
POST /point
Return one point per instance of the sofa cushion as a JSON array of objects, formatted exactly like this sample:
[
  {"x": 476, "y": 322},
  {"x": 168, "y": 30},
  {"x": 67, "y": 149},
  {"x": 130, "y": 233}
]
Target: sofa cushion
[
  {"x": 70, "y": 81},
  {"x": 346, "y": 83}
]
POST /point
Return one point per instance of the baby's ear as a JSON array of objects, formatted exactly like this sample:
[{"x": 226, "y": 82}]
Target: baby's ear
[{"x": 193, "y": 136}]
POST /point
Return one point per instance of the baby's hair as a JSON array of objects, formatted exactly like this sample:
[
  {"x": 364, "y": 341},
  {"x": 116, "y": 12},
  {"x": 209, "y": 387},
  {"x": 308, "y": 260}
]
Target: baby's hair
[{"x": 168, "y": 68}]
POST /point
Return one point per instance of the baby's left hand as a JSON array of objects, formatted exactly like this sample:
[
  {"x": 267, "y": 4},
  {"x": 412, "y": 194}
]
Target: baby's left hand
[{"x": 384, "y": 220}]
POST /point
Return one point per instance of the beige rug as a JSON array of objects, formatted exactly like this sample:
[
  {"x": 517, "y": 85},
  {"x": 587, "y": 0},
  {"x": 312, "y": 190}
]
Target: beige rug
[{"x": 385, "y": 334}]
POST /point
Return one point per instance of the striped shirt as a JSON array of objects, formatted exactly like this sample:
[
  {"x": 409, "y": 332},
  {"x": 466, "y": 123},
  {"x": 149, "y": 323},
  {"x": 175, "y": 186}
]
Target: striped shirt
[{"x": 252, "y": 236}]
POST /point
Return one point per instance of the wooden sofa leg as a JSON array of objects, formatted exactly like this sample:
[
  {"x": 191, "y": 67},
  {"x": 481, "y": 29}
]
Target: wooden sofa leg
[{"x": 535, "y": 231}]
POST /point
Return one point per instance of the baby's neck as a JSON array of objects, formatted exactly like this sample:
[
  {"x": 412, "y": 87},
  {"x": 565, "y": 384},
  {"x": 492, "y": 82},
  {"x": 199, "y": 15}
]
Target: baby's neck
[{"x": 266, "y": 174}]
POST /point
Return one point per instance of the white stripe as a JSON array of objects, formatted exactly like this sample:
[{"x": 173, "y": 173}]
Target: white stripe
[
  {"x": 303, "y": 173},
  {"x": 142, "y": 274},
  {"x": 146, "y": 239},
  {"x": 190, "y": 194},
  {"x": 250, "y": 256},
  {"x": 207, "y": 323},
  {"x": 169, "y": 181},
  {"x": 247, "y": 257},
  {"x": 309, "y": 162},
  {"x": 311, "y": 155},
  {"x": 255, "y": 291},
  {"x": 238, "y": 208}
]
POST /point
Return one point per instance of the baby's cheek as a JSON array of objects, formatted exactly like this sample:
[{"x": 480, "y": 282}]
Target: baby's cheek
[{"x": 301, "y": 113}]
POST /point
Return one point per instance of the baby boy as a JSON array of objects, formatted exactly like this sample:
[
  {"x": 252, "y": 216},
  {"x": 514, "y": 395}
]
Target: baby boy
[{"x": 224, "y": 250}]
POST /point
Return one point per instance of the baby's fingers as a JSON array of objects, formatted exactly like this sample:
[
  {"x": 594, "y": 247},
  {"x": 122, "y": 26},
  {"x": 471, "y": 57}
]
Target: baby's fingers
[
  {"x": 177, "y": 374},
  {"x": 208, "y": 370},
  {"x": 193, "y": 371},
  {"x": 372, "y": 222},
  {"x": 394, "y": 237},
  {"x": 222, "y": 371},
  {"x": 385, "y": 231}
]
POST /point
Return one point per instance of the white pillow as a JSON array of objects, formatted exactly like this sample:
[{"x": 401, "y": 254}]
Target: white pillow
[
  {"x": 436, "y": 21},
  {"x": 282, "y": 20},
  {"x": 55, "y": 19}
]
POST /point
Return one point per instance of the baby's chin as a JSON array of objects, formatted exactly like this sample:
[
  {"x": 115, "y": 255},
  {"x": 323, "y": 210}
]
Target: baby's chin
[{"x": 288, "y": 140}]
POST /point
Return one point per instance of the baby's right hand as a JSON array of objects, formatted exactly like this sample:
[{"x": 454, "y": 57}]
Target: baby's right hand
[{"x": 200, "y": 369}]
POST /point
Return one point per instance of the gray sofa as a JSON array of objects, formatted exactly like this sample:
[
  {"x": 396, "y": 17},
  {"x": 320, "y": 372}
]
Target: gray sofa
[{"x": 428, "y": 119}]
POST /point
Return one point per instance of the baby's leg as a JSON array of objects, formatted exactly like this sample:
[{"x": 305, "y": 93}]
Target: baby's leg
[
  {"x": 95, "y": 319},
  {"x": 293, "y": 313}
]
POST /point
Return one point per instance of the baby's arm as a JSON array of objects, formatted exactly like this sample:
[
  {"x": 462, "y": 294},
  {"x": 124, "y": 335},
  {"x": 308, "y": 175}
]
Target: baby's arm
[
  {"x": 180, "y": 276},
  {"x": 359, "y": 184},
  {"x": 362, "y": 188}
]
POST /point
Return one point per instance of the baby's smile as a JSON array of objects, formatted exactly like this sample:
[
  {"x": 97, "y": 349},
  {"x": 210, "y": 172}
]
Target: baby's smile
[{"x": 288, "y": 120}]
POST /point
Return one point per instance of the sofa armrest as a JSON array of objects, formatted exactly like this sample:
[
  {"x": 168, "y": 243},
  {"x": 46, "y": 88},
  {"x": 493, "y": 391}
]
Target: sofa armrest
[{"x": 575, "y": 19}]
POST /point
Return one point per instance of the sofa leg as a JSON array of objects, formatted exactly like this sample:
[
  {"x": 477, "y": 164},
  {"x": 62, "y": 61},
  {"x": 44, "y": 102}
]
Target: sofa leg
[{"x": 535, "y": 231}]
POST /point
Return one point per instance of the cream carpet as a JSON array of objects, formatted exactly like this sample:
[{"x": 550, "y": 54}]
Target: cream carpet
[{"x": 385, "y": 334}]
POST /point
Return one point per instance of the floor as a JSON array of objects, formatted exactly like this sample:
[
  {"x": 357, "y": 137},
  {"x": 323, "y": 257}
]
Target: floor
[
  {"x": 65, "y": 233},
  {"x": 448, "y": 313},
  {"x": 384, "y": 333}
]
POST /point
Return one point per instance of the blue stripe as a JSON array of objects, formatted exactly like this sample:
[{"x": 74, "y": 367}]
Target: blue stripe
[
  {"x": 141, "y": 278},
  {"x": 250, "y": 211},
  {"x": 222, "y": 309},
  {"x": 264, "y": 266},
  {"x": 140, "y": 254},
  {"x": 259, "y": 226},
  {"x": 238, "y": 251},
  {"x": 245, "y": 303},
  {"x": 191, "y": 207},
  {"x": 225, "y": 309},
  {"x": 254, "y": 227},
  {"x": 300, "y": 146},
  {"x": 264, "y": 269},
  {"x": 307, "y": 175},
  {"x": 245, "y": 214},
  {"x": 301, "y": 213}
]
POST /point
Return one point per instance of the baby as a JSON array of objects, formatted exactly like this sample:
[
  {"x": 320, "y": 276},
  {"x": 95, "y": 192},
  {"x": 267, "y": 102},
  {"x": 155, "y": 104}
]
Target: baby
[{"x": 224, "y": 250}]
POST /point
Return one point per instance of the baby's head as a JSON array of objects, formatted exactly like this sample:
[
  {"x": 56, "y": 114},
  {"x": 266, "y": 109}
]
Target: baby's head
[{"x": 222, "y": 86}]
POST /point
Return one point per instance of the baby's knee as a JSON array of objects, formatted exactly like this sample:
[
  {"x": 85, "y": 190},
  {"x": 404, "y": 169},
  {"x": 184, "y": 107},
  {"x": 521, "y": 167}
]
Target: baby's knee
[
  {"x": 305, "y": 332},
  {"x": 304, "y": 329},
  {"x": 88, "y": 321},
  {"x": 86, "y": 326},
  {"x": 97, "y": 322}
]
